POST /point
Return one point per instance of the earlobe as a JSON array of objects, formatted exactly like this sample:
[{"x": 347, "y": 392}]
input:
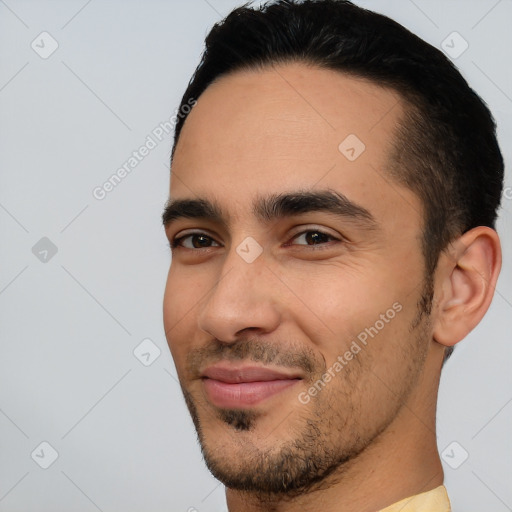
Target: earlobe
[{"x": 467, "y": 279}]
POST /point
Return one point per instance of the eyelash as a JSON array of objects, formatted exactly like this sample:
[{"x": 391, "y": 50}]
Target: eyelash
[{"x": 176, "y": 242}]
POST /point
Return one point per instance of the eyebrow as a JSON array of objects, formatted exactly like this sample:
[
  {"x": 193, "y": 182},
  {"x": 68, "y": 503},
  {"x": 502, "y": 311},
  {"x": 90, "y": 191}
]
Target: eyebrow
[
  {"x": 274, "y": 207},
  {"x": 191, "y": 209}
]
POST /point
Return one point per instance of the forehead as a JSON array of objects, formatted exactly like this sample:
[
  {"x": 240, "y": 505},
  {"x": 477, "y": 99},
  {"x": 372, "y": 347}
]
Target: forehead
[{"x": 289, "y": 127}]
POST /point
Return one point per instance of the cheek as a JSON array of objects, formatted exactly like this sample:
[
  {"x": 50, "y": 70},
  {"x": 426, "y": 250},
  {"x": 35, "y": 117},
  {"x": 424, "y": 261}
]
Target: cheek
[
  {"x": 343, "y": 303},
  {"x": 170, "y": 302},
  {"x": 183, "y": 291},
  {"x": 182, "y": 295}
]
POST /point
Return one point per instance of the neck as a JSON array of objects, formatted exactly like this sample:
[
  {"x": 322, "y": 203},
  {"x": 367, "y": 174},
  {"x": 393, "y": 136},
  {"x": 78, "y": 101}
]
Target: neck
[{"x": 401, "y": 462}]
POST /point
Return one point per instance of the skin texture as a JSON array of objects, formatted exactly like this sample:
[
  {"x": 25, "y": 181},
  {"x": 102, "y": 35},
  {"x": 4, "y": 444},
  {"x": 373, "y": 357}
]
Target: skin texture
[{"x": 367, "y": 438}]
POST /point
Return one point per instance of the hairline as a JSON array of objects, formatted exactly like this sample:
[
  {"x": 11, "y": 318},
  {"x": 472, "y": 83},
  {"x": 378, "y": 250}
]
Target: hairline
[
  {"x": 403, "y": 121},
  {"x": 413, "y": 104}
]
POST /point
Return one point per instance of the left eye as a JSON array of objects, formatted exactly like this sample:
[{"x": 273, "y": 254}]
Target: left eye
[{"x": 313, "y": 237}]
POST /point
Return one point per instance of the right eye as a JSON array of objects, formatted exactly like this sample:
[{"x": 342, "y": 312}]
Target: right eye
[{"x": 194, "y": 241}]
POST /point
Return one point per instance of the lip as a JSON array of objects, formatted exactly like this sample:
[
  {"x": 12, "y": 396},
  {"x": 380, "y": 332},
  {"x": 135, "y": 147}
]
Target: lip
[{"x": 245, "y": 386}]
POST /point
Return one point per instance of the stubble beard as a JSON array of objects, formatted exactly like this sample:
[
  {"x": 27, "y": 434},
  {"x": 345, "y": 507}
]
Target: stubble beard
[
  {"x": 314, "y": 458},
  {"x": 295, "y": 466}
]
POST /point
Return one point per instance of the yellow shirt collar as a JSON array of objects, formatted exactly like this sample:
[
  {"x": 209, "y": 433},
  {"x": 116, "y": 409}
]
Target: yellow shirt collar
[{"x": 435, "y": 500}]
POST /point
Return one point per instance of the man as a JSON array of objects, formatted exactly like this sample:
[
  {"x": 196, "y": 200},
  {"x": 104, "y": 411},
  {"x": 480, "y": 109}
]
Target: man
[{"x": 333, "y": 196}]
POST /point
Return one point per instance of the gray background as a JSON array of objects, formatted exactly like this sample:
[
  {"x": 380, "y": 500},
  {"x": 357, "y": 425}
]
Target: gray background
[{"x": 70, "y": 324}]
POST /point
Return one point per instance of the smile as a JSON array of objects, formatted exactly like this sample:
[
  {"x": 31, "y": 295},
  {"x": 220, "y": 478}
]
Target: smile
[{"x": 242, "y": 387}]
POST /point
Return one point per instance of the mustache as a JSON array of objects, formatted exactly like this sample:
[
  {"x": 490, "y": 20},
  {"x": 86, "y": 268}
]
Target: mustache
[{"x": 254, "y": 350}]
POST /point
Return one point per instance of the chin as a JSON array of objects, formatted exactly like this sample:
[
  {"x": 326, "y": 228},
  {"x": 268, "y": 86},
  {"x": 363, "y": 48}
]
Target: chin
[{"x": 288, "y": 468}]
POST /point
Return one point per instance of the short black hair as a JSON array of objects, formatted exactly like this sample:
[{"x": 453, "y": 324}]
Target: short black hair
[{"x": 445, "y": 148}]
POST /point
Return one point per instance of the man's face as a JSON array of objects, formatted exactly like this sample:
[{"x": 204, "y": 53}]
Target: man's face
[{"x": 298, "y": 346}]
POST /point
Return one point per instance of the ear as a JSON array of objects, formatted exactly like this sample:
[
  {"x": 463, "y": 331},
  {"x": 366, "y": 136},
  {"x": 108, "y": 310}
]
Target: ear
[{"x": 465, "y": 282}]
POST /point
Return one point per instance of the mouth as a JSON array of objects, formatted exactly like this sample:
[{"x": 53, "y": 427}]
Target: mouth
[{"x": 245, "y": 386}]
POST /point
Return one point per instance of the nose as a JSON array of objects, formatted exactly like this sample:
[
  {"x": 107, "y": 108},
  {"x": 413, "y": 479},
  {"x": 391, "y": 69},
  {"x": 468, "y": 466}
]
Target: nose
[{"x": 242, "y": 302}]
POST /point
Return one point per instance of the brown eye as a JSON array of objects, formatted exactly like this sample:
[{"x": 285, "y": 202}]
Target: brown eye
[
  {"x": 313, "y": 237},
  {"x": 194, "y": 241}
]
